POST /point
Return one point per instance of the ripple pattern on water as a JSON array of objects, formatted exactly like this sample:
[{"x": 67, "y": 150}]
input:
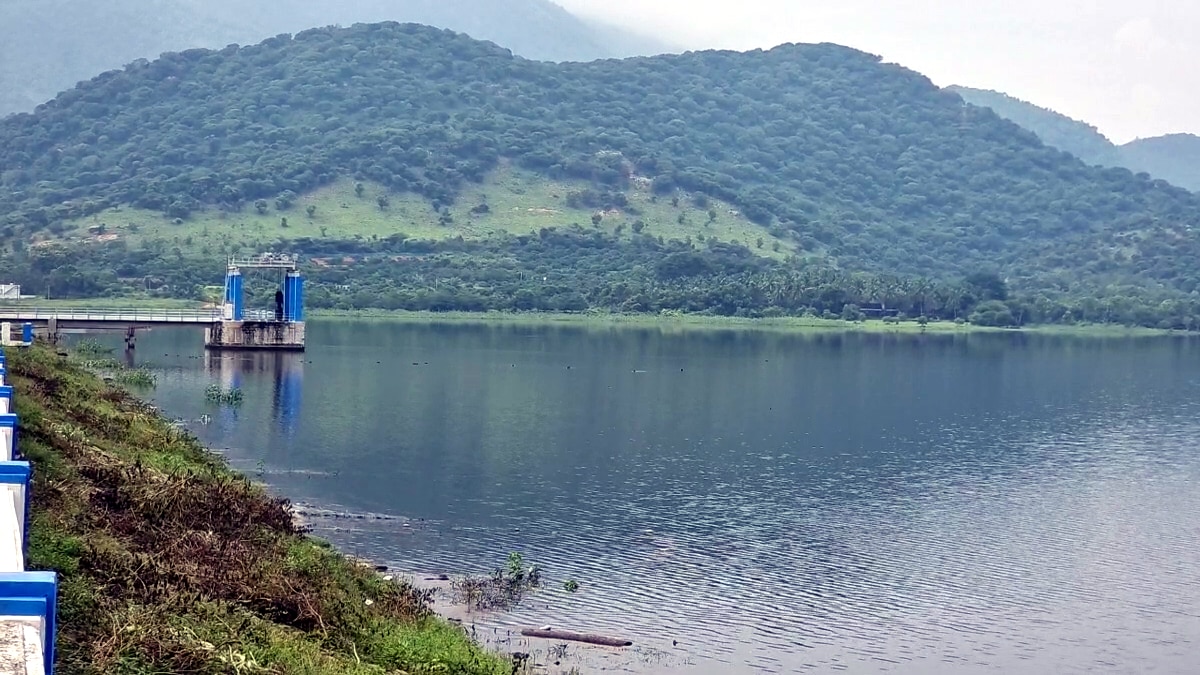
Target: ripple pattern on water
[
  {"x": 1057, "y": 555},
  {"x": 769, "y": 505}
]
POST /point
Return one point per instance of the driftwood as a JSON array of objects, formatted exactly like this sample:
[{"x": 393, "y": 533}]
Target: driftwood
[{"x": 575, "y": 637}]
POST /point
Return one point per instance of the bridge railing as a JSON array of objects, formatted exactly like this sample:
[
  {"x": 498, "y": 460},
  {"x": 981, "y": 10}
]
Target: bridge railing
[
  {"x": 110, "y": 314},
  {"x": 28, "y": 600}
]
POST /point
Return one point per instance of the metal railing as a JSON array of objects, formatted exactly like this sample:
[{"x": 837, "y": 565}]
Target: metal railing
[{"x": 110, "y": 314}]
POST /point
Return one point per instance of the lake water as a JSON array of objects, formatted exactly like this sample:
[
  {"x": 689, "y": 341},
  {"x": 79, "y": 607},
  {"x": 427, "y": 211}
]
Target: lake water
[{"x": 753, "y": 502}]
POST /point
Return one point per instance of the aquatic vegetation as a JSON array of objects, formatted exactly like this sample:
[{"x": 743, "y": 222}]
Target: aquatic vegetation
[
  {"x": 101, "y": 364},
  {"x": 91, "y": 347},
  {"x": 502, "y": 589},
  {"x": 111, "y": 369},
  {"x": 221, "y": 396},
  {"x": 135, "y": 377}
]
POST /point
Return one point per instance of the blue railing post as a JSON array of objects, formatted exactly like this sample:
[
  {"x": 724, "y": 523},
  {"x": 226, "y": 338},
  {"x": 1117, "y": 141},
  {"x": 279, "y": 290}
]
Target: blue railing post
[
  {"x": 26, "y": 595},
  {"x": 9, "y": 421},
  {"x": 33, "y": 595},
  {"x": 20, "y": 474}
]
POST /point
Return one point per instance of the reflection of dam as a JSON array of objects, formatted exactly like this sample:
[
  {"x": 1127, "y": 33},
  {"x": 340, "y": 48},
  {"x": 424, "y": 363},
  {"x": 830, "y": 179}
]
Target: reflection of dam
[{"x": 286, "y": 370}]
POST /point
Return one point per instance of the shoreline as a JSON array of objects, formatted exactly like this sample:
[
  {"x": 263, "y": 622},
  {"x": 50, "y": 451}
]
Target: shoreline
[
  {"x": 703, "y": 322},
  {"x": 669, "y": 320},
  {"x": 118, "y": 485}
]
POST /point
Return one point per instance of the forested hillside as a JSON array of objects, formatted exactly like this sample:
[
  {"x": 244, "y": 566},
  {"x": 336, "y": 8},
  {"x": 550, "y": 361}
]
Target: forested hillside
[
  {"x": 1174, "y": 158},
  {"x": 46, "y": 46},
  {"x": 1055, "y": 129},
  {"x": 870, "y": 174}
]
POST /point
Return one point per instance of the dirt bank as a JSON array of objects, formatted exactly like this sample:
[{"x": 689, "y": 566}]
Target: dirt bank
[{"x": 169, "y": 562}]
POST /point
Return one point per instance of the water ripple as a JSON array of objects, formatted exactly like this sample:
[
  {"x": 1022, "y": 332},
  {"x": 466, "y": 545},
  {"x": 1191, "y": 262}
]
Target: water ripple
[{"x": 939, "y": 509}]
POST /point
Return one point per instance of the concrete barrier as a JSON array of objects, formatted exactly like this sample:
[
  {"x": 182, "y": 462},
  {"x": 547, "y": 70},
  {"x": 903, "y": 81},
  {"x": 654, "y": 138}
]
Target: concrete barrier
[{"x": 28, "y": 600}]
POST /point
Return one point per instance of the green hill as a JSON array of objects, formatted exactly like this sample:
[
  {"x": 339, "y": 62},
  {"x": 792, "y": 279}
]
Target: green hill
[
  {"x": 1174, "y": 158},
  {"x": 1055, "y": 129},
  {"x": 47, "y": 46},
  {"x": 507, "y": 201},
  {"x": 877, "y": 181}
]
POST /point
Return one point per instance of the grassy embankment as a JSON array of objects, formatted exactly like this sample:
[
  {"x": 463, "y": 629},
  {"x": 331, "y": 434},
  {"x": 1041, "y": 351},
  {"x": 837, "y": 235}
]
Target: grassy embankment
[
  {"x": 518, "y": 202},
  {"x": 672, "y": 320},
  {"x": 704, "y": 322},
  {"x": 171, "y": 563}
]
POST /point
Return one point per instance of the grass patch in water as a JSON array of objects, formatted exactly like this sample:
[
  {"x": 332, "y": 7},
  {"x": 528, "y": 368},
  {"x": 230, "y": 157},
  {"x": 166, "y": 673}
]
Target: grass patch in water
[
  {"x": 171, "y": 563},
  {"x": 220, "y": 396}
]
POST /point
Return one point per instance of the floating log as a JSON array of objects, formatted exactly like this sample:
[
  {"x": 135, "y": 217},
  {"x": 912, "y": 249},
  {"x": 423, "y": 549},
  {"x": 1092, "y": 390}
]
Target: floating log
[{"x": 575, "y": 637}]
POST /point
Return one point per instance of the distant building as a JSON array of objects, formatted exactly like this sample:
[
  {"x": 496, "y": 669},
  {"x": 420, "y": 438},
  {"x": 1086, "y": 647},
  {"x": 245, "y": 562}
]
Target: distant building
[{"x": 10, "y": 292}]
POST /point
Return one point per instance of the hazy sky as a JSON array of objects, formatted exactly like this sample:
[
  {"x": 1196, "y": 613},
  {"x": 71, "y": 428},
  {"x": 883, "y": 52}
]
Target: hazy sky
[{"x": 1129, "y": 67}]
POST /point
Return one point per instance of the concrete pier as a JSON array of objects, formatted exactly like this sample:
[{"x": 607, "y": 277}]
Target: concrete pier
[{"x": 279, "y": 335}]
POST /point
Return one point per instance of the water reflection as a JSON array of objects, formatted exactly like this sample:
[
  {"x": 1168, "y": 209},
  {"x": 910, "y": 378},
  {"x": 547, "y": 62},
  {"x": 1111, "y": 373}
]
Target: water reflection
[
  {"x": 284, "y": 370},
  {"x": 772, "y": 502}
]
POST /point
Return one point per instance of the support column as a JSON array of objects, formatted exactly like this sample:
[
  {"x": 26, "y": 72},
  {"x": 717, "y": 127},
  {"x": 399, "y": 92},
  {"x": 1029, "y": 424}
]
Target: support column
[
  {"x": 234, "y": 300},
  {"x": 293, "y": 297}
]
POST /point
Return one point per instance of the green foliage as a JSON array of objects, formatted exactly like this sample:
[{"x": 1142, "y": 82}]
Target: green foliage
[
  {"x": 992, "y": 313},
  {"x": 199, "y": 570},
  {"x": 141, "y": 378},
  {"x": 46, "y": 47},
  {"x": 892, "y": 194},
  {"x": 1174, "y": 158},
  {"x": 215, "y": 393},
  {"x": 88, "y": 347},
  {"x": 870, "y": 164},
  {"x": 1054, "y": 129},
  {"x": 503, "y": 589}
]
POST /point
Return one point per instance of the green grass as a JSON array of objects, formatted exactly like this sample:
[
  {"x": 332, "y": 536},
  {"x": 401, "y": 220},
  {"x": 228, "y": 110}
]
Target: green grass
[
  {"x": 171, "y": 563},
  {"x": 518, "y": 202},
  {"x": 702, "y": 322}
]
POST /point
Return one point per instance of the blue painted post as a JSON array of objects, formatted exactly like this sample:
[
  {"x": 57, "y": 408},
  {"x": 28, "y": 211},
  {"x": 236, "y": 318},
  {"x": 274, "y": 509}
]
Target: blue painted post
[
  {"x": 19, "y": 473},
  {"x": 299, "y": 313},
  {"x": 9, "y": 421},
  {"x": 289, "y": 296},
  {"x": 27, "y": 333},
  {"x": 34, "y": 595},
  {"x": 233, "y": 293},
  {"x": 293, "y": 297}
]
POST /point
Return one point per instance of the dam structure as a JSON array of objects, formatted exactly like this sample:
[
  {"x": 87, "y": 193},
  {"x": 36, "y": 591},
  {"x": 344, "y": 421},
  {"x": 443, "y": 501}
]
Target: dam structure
[
  {"x": 281, "y": 327},
  {"x": 230, "y": 325}
]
